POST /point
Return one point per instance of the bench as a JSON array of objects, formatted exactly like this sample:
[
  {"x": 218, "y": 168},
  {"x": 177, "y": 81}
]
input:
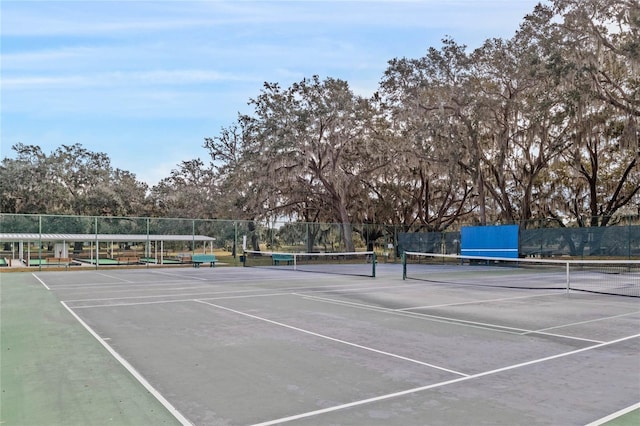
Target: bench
[
  {"x": 128, "y": 260},
  {"x": 198, "y": 259},
  {"x": 276, "y": 258}
]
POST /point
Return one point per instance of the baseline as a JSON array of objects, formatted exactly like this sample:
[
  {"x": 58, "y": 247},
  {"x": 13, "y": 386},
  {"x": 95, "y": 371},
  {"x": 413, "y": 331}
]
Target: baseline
[
  {"x": 284, "y": 290},
  {"x": 157, "y": 302}
]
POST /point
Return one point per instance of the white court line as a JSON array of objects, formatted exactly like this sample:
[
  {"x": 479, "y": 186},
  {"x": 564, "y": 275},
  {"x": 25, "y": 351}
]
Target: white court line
[
  {"x": 333, "y": 339},
  {"x": 583, "y": 322},
  {"x": 615, "y": 415},
  {"x": 361, "y": 289},
  {"x": 418, "y": 315},
  {"x": 183, "y": 420},
  {"x": 191, "y": 299},
  {"x": 136, "y": 288},
  {"x": 158, "y": 302},
  {"x": 345, "y": 302},
  {"x": 112, "y": 277},
  {"x": 41, "y": 282},
  {"x": 562, "y": 336},
  {"x": 180, "y": 275},
  {"x": 95, "y": 287},
  {"x": 447, "y": 320},
  {"x": 437, "y": 385},
  {"x": 502, "y": 299},
  {"x": 164, "y": 295},
  {"x": 284, "y": 290}
]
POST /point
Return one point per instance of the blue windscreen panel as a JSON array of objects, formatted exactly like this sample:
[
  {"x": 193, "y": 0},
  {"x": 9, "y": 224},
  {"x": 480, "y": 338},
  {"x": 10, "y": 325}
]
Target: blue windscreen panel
[{"x": 490, "y": 241}]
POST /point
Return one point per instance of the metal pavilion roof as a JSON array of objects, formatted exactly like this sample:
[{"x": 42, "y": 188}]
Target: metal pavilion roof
[{"x": 13, "y": 237}]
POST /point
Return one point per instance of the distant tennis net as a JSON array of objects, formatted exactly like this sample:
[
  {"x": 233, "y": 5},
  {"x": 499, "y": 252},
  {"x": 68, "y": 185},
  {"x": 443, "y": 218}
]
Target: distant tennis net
[
  {"x": 616, "y": 277},
  {"x": 352, "y": 263}
]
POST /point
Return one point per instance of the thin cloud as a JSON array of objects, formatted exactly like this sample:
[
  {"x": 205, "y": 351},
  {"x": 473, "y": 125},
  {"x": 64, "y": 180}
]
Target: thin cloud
[
  {"x": 119, "y": 78},
  {"x": 114, "y": 28}
]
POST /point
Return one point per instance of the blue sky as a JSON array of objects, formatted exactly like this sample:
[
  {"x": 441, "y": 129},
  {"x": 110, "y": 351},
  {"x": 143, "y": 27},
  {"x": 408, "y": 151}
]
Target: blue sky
[{"x": 146, "y": 81}]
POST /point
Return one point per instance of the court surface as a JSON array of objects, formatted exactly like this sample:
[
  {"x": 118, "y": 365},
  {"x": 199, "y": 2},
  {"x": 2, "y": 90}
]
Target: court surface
[{"x": 242, "y": 346}]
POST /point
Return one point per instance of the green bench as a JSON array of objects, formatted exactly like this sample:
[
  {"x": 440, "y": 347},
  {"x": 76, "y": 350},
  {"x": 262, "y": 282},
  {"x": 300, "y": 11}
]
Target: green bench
[
  {"x": 276, "y": 258},
  {"x": 198, "y": 259}
]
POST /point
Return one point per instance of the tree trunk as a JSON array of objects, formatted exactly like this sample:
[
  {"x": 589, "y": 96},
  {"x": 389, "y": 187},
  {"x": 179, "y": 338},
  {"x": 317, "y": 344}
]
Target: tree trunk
[
  {"x": 481, "y": 200},
  {"x": 347, "y": 229}
]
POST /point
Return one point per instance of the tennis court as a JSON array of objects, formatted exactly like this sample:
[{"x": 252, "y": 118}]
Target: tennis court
[{"x": 270, "y": 345}]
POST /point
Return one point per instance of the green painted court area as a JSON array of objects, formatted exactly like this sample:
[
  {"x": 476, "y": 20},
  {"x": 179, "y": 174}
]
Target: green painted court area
[
  {"x": 629, "y": 419},
  {"x": 55, "y": 373}
]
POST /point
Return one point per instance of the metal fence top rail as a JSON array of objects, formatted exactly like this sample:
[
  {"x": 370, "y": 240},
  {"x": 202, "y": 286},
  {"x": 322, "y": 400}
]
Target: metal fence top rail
[{"x": 13, "y": 237}]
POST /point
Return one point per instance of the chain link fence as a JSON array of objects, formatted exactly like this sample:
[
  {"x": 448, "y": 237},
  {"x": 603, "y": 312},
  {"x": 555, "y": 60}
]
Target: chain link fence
[{"x": 227, "y": 238}]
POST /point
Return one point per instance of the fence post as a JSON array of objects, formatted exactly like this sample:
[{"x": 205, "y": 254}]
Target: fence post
[
  {"x": 235, "y": 242},
  {"x": 148, "y": 247},
  {"x": 629, "y": 237},
  {"x": 95, "y": 228},
  {"x": 39, "y": 243}
]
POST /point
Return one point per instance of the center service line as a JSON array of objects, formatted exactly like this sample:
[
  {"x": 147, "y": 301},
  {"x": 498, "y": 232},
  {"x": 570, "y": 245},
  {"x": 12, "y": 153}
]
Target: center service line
[{"x": 333, "y": 339}]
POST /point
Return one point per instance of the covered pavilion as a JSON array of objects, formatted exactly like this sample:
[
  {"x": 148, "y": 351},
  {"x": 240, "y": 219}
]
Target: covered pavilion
[{"x": 61, "y": 244}]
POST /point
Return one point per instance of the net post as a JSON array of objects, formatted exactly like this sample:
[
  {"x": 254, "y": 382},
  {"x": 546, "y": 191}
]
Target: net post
[
  {"x": 244, "y": 258},
  {"x": 568, "y": 276},
  {"x": 295, "y": 262},
  {"x": 404, "y": 265},
  {"x": 373, "y": 262}
]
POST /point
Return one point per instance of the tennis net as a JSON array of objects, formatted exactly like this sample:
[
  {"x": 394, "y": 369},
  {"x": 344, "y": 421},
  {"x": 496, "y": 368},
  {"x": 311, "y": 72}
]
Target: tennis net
[
  {"x": 616, "y": 277},
  {"x": 352, "y": 263}
]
